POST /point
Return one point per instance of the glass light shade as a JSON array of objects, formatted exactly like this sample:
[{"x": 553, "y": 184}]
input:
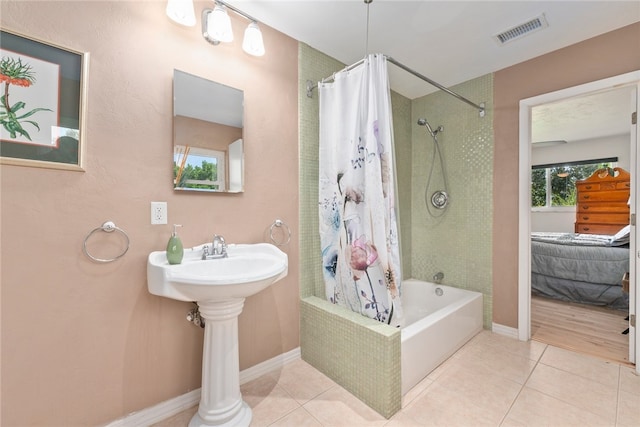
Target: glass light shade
[
  {"x": 219, "y": 25},
  {"x": 252, "y": 43},
  {"x": 181, "y": 11}
]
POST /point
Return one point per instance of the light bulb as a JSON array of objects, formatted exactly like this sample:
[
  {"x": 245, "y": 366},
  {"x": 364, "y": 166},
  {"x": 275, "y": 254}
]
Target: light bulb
[
  {"x": 252, "y": 43},
  {"x": 219, "y": 25},
  {"x": 181, "y": 11}
]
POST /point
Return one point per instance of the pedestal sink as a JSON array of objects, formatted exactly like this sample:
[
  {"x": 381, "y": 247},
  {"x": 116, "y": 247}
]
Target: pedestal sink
[{"x": 219, "y": 286}]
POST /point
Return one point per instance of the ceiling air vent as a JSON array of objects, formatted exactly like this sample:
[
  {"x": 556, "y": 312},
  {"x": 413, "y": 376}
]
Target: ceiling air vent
[{"x": 521, "y": 30}]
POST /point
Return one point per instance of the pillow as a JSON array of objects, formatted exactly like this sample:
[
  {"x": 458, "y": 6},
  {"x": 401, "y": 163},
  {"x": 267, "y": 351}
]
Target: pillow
[{"x": 621, "y": 237}]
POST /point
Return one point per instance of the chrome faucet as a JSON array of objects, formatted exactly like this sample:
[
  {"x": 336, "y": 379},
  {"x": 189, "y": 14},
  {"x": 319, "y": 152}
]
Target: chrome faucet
[
  {"x": 218, "y": 248},
  {"x": 438, "y": 277}
]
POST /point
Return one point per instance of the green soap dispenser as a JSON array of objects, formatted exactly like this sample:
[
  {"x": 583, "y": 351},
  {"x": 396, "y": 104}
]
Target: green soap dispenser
[{"x": 175, "y": 251}]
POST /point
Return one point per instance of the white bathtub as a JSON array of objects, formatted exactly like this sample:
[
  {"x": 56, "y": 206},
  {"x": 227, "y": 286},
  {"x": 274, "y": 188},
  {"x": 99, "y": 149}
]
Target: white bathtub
[{"x": 435, "y": 326}]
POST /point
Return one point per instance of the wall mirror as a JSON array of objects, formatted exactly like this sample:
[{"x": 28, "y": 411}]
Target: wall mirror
[{"x": 208, "y": 147}]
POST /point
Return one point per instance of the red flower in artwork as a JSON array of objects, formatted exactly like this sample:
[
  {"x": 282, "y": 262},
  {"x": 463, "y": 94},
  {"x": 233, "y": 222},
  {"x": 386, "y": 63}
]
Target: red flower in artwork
[{"x": 14, "y": 72}]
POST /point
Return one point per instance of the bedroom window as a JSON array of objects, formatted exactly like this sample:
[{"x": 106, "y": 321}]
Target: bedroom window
[{"x": 554, "y": 185}]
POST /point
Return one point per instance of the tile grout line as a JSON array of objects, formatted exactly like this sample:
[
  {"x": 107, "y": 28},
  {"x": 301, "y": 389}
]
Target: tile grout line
[
  {"x": 310, "y": 414},
  {"x": 291, "y": 411},
  {"x": 546, "y": 346},
  {"x": 563, "y": 399},
  {"x": 618, "y": 394},
  {"x": 301, "y": 405}
]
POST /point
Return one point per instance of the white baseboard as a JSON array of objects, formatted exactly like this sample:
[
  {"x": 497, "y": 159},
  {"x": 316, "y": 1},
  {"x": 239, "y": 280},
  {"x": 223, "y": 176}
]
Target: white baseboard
[
  {"x": 505, "y": 330},
  {"x": 267, "y": 366},
  {"x": 159, "y": 412},
  {"x": 168, "y": 408}
]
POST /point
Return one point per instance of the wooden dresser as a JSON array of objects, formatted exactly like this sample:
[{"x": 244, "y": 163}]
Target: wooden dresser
[{"x": 601, "y": 206}]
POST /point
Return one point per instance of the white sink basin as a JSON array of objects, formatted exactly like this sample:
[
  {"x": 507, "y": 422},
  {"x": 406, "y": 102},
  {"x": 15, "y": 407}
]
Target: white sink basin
[{"x": 248, "y": 269}]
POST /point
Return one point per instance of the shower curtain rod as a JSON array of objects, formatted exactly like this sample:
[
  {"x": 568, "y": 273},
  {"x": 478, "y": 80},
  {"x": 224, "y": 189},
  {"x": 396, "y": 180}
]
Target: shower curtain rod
[{"x": 481, "y": 107}]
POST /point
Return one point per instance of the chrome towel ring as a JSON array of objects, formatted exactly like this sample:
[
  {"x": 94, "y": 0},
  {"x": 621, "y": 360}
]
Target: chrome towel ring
[
  {"x": 107, "y": 227},
  {"x": 278, "y": 223}
]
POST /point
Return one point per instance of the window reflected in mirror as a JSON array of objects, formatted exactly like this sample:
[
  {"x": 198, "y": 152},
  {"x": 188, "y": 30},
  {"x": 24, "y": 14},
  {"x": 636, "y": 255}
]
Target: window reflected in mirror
[{"x": 198, "y": 169}]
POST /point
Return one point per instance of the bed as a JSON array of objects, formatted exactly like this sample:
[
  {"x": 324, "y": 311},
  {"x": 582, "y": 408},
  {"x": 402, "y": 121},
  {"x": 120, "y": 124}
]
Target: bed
[{"x": 583, "y": 268}]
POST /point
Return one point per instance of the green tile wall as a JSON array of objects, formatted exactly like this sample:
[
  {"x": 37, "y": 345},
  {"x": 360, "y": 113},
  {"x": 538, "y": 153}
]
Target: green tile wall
[
  {"x": 360, "y": 354},
  {"x": 313, "y": 66},
  {"x": 459, "y": 243},
  {"x": 402, "y": 146}
]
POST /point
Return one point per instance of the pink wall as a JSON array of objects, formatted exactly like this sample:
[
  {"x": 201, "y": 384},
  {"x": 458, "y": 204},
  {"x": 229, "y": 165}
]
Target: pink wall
[
  {"x": 202, "y": 134},
  {"x": 610, "y": 54},
  {"x": 85, "y": 343}
]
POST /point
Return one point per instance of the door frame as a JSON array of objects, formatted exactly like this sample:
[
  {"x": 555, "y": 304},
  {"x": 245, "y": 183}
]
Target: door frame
[{"x": 631, "y": 79}]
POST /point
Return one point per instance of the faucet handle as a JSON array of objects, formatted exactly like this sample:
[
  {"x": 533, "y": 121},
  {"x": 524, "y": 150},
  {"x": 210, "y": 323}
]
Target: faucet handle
[
  {"x": 205, "y": 251},
  {"x": 438, "y": 277}
]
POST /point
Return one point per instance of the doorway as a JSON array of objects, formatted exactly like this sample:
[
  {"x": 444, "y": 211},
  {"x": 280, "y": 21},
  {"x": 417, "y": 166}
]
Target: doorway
[{"x": 630, "y": 80}]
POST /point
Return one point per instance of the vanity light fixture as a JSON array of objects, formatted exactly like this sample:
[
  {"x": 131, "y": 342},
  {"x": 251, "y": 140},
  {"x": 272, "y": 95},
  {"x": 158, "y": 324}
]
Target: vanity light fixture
[
  {"x": 181, "y": 11},
  {"x": 216, "y": 28}
]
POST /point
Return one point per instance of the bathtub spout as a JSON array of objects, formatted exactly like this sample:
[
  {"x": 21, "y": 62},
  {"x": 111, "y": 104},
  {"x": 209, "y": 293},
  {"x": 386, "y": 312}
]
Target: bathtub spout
[{"x": 438, "y": 277}]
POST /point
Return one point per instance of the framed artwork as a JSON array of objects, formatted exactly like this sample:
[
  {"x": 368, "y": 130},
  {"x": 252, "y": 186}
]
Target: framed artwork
[{"x": 42, "y": 103}]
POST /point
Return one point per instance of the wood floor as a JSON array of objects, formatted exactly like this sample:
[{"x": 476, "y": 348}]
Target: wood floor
[{"x": 582, "y": 328}]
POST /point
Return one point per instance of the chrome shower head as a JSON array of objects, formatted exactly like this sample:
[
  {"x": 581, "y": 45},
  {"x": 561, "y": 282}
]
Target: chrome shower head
[{"x": 424, "y": 122}]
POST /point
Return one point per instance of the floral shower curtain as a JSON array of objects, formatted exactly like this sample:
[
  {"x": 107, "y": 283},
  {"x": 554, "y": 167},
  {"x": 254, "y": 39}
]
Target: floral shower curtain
[{"x": 358, "y": 225}]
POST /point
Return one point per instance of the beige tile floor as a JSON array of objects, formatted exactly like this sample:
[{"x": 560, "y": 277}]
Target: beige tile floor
[{"x": 492, "y": 381}]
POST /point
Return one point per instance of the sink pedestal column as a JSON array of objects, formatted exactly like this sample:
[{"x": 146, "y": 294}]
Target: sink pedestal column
[{"x": 221, "y": 402}]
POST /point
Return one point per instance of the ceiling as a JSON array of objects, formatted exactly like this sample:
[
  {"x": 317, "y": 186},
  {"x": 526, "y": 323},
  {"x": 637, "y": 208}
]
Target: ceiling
[
  {"x": 452, "y": 42},
  {"x": 448, "y": 41},
  {"x": 584, "y": 117}
]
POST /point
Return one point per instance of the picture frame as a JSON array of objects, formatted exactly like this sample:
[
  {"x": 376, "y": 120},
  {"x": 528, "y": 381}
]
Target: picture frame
[{"x": 42, "y": 103}]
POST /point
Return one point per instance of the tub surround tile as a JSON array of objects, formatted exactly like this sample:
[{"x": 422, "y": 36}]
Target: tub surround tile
[
  {"x": 333, "y": 340},
  {"x": 458, "y": 242}
]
